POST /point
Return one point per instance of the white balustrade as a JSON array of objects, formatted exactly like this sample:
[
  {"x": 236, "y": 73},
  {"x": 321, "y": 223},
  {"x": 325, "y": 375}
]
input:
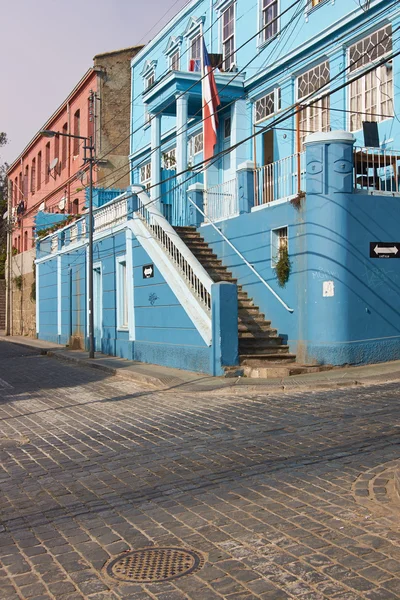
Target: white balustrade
[
  {"x": 73, "y": 236},
  {"x": 221, "y": 201},
  {"x": 54, "y": 243},
  {"x": 110, "y": 215},
  {"x": 377, "y": 170},
  {"x": 279, "y": 179},
  {"x": 188, "y": 266}
]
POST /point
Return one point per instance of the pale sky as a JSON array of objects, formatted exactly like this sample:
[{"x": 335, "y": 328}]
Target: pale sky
[{"x": 46, "y": 46}]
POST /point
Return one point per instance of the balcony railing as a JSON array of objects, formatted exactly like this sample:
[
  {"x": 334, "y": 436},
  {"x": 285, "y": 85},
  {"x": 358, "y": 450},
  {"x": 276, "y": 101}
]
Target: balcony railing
[
  {"x": 110, "y": 215},
  {"x": 221, "y": 201},
  {"x": 377, "y": 170},
  {"x": 281, "y": 179}
]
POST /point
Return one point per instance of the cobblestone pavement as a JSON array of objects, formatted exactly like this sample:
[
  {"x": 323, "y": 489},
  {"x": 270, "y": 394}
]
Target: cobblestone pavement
[{"x": 285, "y": 496}]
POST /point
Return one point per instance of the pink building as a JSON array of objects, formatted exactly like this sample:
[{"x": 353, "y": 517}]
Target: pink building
[{"x": 49, "y": 174}]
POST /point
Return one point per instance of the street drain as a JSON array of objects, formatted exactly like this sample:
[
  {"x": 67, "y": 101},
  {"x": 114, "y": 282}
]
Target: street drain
[{"x": 150, "y": 565}]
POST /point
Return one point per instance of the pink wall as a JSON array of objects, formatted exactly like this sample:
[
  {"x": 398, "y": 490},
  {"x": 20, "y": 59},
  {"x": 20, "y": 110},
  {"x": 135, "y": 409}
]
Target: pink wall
[{"x": 63, "y": 181}]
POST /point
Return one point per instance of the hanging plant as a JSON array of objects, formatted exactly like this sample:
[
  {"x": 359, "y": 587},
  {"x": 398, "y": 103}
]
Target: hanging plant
[{"x": 282, "y": 267}]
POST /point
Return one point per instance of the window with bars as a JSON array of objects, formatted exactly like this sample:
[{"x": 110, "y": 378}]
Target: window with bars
[
  {"x": 267, "y": 105},
  {"x": 315, "y": 116},
  {"x": 269, "y": 21},
  {"x": 371, "y": 95},
  {"x": 26, "y": 181},
  {"x": 195, "y": 54},
  {"x": 174, "y": 61},
  {"x": 228, "y": 37}
]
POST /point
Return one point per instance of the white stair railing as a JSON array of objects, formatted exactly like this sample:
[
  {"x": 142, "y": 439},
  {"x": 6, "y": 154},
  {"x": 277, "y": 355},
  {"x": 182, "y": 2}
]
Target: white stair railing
[
  {"x": 279, "y": 179},
  {"x": 179, "y": 254},
  {"x": 222, "y": 201}
]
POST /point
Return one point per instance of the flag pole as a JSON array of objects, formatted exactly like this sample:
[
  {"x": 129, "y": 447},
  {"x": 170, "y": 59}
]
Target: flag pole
[{"x": 205, "y": 179}]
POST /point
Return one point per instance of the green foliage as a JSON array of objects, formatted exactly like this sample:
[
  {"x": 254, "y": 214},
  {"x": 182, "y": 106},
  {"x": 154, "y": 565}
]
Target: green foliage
[
  {"x": 43, "y": 232},
  {"x": 283, "y": 266}
]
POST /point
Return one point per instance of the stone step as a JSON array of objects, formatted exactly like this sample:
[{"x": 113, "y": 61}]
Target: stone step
[
  {"x": 247, "y": 344},
  {"x": 263, "y": 350},
  {"x": 246, "y": 303},
  {"x": 256, "y": 332},
  {"x": 257, "y": 360},
  {"x": 250, "y": 311},
  {"x": 278, "y": 370}
]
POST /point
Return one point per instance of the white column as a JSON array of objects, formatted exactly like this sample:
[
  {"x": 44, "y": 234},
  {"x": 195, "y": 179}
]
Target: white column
[
  {"x": 130, "y": 285},
  {"x": 181, "y": 132},
  {"x": 37, "y": 290},
  {"x": 59, "y": 329},
  {"x": 155, "y": 191}
]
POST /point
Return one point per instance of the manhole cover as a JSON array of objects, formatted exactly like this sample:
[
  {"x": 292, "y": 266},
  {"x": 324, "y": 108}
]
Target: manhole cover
[{"x": 149, "y": 565}]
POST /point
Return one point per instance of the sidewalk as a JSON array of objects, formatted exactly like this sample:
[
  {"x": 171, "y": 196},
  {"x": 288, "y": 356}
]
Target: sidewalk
[{"x": 169, "y": 379}]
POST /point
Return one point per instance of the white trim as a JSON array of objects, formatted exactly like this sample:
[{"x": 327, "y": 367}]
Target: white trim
[
  {"x": 87, "y": 291},
  {"x": 98, "y": 265},
  {"x": 119, "y": 305},
  {"x": 226, "y": 7},
  {"x": 59, "y": 295},
  {"x": 131, "y": 285},
  {"x": 37, "y": 288}
]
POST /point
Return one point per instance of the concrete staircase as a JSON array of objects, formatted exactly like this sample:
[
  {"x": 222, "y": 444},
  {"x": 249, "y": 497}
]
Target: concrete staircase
[{"x": 262, "y": 352}]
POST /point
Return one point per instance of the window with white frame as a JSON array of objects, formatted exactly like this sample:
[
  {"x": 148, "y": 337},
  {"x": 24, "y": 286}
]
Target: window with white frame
[
  {"x": 149, "y": 80},
  {"x": 195, "y": 53},
  {"x": 174, "y": 60},
  {"x": 314, "y": 3},
  {"x": 315, "y": 116},
  {"x": 269, "y": 21},
  {"x": 267, "y": 105},
  {"x": 145, "y": 175},
  {"x": 169, "y": 159},
  {"x": 279, "y": 242},
  {"x": 122, "y": 294},
  {"x": 228, "y": 37},
  {"x": 371, "y": 95}
]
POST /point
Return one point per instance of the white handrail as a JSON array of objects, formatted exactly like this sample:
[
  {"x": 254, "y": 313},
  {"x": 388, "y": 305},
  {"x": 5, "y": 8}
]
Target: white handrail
[
  {"x": 189, "y": 267},
  {"x": 242, "y": 257},
  {"x": 111, "y": 214}
]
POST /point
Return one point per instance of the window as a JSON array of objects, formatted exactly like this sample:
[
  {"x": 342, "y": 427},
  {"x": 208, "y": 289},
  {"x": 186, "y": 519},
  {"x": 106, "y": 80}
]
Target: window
[
  {"x": 169, "y": 159},
  {"x": 315, "y": 116},
  {"x": 279, "y": 241},
  {"x": 19, "y": 243},
  {"x": 314, "y": 3},
  {"x": 39, "y": 170},
  {"x": 145, "y": 175},
  {"x": 269, "y": 19},
  {"x": 64, "y": 146},
  {"x": 75, "y": 206},
  {"x": 267, "y": 105},
  {"x": 20, "y": 186},
  {"x": 227, "y": 128},
  {"x": 197, "y": 143},
  {"x": 47, "y": 163},
  {"x": 25, "y": 241},
  {"x": 16, "y": 191},
  {"x": 228, "y": 37},
  {"x": 195, "y": 54},
  {"x": 77, "y": 131},
  {"x": 149, "y": 80},
  {"x": 33, "y": 175},
  {"x": 56, "y": 154},
  {"x": 26, "y": 181},
  {"x": 122, "y": 294},
  {"x": 371, "y": 96},
  {"x": 174, "y": 60}
]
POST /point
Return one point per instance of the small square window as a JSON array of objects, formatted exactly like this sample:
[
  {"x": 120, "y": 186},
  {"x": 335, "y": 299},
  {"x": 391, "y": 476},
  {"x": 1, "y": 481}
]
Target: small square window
[{"x": 122, "y": 294}]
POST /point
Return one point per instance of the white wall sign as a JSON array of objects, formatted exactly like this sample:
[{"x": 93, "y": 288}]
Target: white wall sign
[{"x": 328, "y": 289}]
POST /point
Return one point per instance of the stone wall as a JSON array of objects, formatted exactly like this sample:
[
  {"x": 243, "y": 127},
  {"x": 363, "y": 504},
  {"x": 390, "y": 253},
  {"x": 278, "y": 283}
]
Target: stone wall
[
  {"x": 23, "y": 317},
  {"x": 113, "y": 118}
]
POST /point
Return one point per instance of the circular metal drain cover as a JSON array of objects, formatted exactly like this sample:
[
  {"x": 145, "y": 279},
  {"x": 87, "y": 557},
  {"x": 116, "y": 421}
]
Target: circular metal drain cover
[{"x": 150, "y": 565}]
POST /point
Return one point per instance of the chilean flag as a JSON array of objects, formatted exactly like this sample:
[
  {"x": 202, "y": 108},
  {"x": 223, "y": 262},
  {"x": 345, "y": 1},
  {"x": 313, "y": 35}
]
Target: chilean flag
[{"x": 211, "y": 102}]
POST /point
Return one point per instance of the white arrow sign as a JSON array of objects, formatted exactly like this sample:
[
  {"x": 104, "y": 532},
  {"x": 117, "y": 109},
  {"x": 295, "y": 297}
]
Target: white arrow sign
[{"x": 390, "y": 250}]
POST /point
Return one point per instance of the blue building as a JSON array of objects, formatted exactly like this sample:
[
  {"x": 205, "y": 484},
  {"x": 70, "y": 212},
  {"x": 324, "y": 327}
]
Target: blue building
[{"x": 280, "y": 251}]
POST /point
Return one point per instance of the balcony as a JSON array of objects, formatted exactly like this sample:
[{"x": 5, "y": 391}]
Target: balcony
[{"x": 376, "y": 171}]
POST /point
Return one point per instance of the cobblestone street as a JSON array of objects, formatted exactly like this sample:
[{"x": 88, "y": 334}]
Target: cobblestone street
[{"x": 287, "y": 495}]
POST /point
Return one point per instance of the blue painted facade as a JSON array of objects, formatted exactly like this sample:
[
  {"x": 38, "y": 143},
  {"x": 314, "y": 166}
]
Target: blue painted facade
[{"x": 317, "y": 190}]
